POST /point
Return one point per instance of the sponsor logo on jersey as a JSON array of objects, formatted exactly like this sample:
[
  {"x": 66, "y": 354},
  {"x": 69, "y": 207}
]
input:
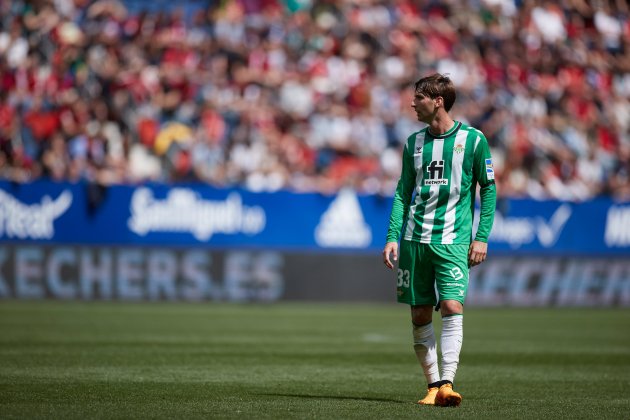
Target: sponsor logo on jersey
[
  {"x": 458, "y": 148},
  {"x": 436, "y": 173},
  {"x": 436, "y": 182},
  {"x": 489, "y": 169}
]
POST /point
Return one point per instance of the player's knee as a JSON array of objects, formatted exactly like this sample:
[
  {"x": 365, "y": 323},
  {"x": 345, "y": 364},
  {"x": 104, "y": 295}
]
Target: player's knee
[
  {"x": 421, "y": 315},
  {"x": 450, "y": 307}
]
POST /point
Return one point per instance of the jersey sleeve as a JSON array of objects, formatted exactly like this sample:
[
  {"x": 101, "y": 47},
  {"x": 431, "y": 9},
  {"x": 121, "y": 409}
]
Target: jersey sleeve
[
  {"x": 402, "y": 197},
  {"x": 484, "y": 175}
]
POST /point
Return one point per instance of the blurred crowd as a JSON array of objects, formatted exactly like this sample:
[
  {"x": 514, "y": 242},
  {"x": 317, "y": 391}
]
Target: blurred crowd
[{"x": 312, "y": 95}]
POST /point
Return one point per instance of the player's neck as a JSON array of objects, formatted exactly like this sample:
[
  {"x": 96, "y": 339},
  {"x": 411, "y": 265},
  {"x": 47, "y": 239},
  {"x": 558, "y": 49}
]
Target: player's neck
[{"x": 441, "y": 124}]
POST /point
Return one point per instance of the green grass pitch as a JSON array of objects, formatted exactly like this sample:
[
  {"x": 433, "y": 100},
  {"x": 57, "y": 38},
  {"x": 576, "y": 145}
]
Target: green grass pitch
[{"x": 68, "y": 360}]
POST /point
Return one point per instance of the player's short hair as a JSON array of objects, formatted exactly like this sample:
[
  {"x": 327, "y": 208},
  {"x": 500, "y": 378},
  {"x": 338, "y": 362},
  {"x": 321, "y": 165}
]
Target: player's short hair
[{"x": 438, "y": 85}]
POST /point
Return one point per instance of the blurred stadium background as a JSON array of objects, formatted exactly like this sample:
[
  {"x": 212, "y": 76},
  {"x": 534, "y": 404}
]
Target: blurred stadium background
[{"x": 247, "y": 151}]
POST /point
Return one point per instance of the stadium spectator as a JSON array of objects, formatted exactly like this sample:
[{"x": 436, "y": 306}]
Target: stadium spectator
[{"x": 313, "y": 95}]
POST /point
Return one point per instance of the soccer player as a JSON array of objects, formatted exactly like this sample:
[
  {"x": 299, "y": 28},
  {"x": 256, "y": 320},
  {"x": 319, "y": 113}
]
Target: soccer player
[{"x": 442, "y": 164}]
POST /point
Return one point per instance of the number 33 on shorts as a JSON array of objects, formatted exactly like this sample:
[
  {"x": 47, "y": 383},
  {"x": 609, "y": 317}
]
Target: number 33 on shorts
[{"x": 403, "y": 278}]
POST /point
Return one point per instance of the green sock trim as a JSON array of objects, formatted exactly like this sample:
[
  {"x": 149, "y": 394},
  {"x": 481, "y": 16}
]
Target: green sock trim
[
  {"x": 421, "y": 325},
  {"x": 450, "y": 315}
]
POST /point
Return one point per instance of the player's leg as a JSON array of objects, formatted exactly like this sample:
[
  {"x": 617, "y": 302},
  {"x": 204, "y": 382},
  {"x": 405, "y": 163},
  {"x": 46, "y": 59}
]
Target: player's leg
[
  {"x": 451, "y": 345},
  {"x": 452, "y": 337},
  {"x": 424, "y": 345},
  {"x": 451, "y": 273},
  {"x": 416, "y": 288}
]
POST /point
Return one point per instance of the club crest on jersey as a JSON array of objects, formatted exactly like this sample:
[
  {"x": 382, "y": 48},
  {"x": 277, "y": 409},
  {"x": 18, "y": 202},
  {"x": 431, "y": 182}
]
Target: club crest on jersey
[
  {"x": 436, "y": 173},
  {"x": 489, "y": 169},
  {"x": 458, "y": 148}
]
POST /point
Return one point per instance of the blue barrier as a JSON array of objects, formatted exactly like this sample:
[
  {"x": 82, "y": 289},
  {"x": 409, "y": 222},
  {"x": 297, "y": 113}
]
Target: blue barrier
[{"x": 199, "y": 215}]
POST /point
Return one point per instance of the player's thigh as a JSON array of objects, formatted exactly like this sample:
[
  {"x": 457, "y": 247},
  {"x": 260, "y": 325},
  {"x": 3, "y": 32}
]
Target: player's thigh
[
  {"x": 451, "y": 271},
  {"x": 415, "y": 283}
]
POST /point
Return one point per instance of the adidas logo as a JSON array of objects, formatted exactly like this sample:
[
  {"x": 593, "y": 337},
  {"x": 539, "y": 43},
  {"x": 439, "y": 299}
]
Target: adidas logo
[{"x": 343, "y": 225}]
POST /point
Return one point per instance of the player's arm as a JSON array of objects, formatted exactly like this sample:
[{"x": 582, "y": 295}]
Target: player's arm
[
  {"x": 400, "y": 206},
  {"x": 484, "y": 174}
]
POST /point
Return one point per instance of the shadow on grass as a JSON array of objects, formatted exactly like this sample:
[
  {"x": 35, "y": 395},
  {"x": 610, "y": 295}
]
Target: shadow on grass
[{"x": 336, "y": 397}]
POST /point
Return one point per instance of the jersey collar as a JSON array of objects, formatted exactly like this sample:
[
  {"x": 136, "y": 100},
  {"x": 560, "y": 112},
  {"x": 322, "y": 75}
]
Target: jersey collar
[{"x": 449, "y": 133}]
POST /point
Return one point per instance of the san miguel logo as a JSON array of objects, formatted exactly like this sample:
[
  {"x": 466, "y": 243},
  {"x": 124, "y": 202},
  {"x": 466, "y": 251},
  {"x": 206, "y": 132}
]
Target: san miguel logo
[
  {"x": 184, "y": 210},
  {"x": 458, "y": 148},
  {"x": 436, "y": 173}
]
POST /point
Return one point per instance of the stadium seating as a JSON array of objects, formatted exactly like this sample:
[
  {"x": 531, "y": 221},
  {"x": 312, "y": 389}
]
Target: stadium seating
[{"x": 311, "y": 95}]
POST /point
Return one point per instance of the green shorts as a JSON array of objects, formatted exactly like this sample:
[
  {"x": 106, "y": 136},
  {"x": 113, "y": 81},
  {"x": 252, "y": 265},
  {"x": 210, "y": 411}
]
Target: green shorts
[{"x": 425, "y": 268}]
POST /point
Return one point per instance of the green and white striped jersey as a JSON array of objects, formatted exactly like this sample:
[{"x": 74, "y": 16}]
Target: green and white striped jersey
[{"x": 443, "y": 171}]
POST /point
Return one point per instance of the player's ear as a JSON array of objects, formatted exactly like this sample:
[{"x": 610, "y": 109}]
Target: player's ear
[{"x": 439, "y": 102}]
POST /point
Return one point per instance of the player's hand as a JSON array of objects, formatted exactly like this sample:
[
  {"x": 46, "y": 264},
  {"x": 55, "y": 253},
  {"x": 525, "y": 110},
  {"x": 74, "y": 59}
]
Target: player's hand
[
  {"x": 390, "y": 248},
  {"x": 477, "y": 253}
]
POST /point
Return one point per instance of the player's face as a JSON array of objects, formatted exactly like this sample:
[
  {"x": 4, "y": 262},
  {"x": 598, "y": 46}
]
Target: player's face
[{"x": 424, "y": 106}]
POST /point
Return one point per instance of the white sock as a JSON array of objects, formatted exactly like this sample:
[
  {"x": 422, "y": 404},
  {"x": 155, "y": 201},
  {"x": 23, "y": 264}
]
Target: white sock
[
  {"x": 424, "y": 345},
  {"x": 452, "y": 337}
]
